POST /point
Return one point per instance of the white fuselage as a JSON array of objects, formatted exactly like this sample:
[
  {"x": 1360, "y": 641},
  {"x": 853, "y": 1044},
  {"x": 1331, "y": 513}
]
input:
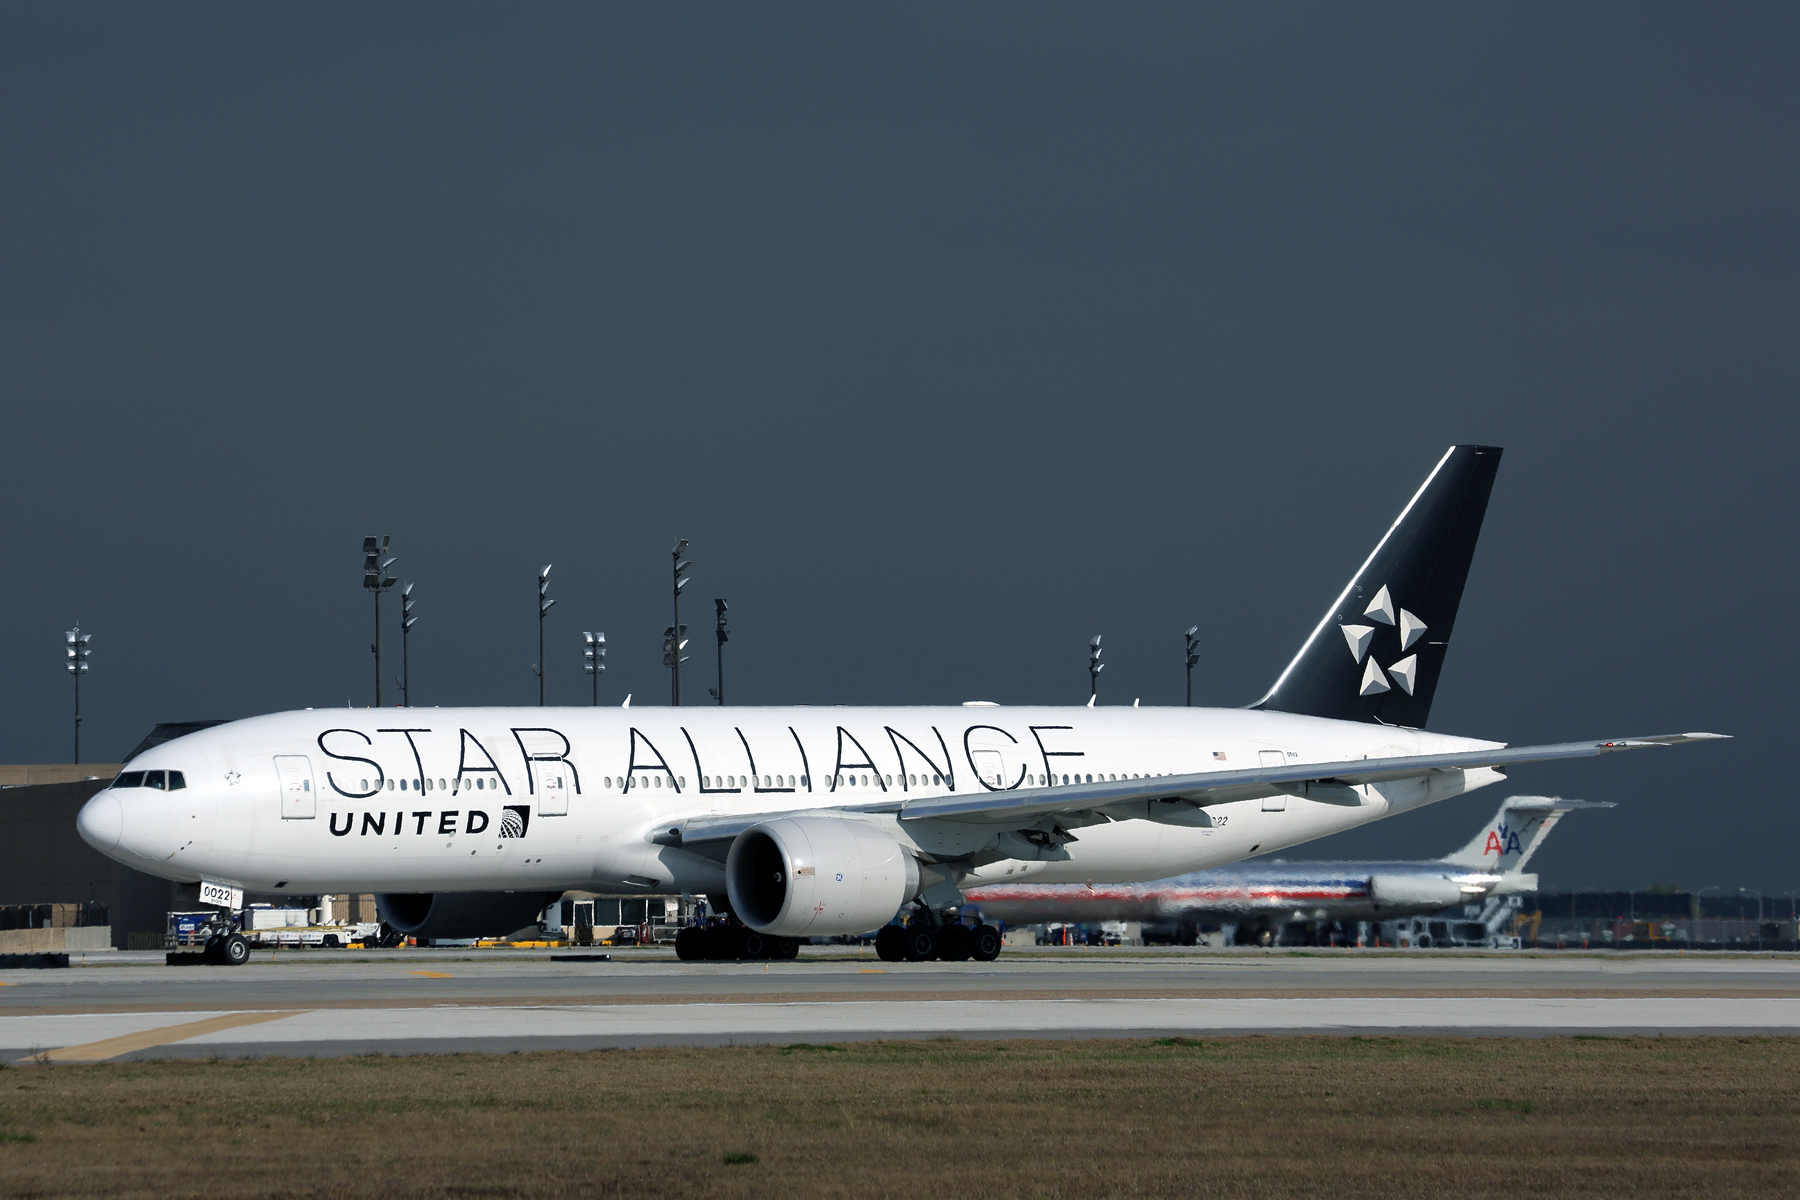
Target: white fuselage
[{"x": 490, "y": 799}]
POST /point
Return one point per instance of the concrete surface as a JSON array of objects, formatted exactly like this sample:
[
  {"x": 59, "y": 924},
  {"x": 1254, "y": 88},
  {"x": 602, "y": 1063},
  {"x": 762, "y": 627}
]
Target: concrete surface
[{"x": 125, "y": 1005}]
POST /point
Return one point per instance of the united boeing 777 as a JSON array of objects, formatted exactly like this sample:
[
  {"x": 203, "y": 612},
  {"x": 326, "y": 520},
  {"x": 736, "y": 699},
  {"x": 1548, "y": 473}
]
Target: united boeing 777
[{"x": 802, "y": 822}]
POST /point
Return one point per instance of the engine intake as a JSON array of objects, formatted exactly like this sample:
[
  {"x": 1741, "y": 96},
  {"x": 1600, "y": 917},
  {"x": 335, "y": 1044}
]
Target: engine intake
[
  {"x": 818, "y": 877},
  {"x": 461, "y": 914}
]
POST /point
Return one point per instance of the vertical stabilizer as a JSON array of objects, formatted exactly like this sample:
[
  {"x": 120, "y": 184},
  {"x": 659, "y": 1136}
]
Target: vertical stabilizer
[
  {"x": 1506, "y": 843},
  {"x": 1377, "y": 654}
]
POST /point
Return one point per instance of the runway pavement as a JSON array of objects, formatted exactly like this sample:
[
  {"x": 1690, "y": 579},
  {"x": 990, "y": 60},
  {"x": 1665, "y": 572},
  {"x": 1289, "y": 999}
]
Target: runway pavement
[{"x": 432, "y": 1001}]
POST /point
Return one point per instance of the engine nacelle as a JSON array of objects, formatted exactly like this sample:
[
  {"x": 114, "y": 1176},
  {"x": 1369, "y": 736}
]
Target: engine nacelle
[
  {"x": 818, "y": 877},
  {"x": 1416, "y": 891},
  {"x": 461, "y": 914}
]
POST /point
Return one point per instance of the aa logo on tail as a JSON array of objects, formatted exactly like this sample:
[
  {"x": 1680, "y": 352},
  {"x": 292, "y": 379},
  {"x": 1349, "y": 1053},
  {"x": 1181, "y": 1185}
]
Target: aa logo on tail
[{"x": 1502, "y": 841}]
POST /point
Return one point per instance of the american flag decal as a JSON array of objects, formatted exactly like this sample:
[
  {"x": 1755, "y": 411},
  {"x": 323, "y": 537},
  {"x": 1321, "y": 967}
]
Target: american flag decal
[{"x": 1219, "y": 754}]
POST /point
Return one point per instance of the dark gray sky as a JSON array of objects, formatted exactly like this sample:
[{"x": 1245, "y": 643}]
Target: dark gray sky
[{"x": 950, "y": 335}]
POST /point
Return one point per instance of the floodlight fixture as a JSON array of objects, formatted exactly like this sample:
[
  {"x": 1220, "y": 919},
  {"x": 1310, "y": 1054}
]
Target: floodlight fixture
[
  {"x": 75, "y": 653},
  {"x": 724, "y": 636},
  {"x": 376, "y": 578},
  {"x": 675, "y": 638},
  {"x": 407, "y": 621},
  {"x": 543, "y": 607},
  {"x": 595, "y": 664},
  {"x": 1193, "y": 658}
]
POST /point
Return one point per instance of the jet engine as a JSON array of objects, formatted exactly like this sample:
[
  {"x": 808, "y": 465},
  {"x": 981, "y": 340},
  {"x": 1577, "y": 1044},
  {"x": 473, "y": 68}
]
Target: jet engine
[
  {"x": 818, "y": 877},
  {"x": 1418, "y": 891},
  {"x": 461, "y": 914}
]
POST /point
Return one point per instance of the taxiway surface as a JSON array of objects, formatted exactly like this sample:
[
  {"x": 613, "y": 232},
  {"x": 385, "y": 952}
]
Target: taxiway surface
[{"x": 425, "y": 1001}]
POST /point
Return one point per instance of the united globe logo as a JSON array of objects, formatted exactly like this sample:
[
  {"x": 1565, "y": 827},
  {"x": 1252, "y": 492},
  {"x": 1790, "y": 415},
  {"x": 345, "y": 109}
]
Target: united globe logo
[{"x": 516, "y": 821}]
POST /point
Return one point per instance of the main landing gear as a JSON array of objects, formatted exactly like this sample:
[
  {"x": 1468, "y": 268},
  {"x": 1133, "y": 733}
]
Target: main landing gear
[
  {"x": 724, "y": 942},
  {"x": 951, "y": 942}
]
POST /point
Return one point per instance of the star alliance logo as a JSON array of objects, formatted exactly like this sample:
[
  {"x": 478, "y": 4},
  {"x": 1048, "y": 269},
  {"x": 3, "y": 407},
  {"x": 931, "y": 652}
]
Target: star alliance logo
[{"x": 1411, "y": 629}]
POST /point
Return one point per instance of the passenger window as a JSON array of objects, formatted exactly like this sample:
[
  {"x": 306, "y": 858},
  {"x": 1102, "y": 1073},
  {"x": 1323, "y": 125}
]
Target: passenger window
[
  {"x": 129, "y": 779},
  {"x": 153, "y": 779},
  {"x": 176, "y": 781}
]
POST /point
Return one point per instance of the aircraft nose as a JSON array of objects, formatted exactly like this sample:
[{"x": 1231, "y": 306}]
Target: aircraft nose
[{"x": 101, "y": 821}]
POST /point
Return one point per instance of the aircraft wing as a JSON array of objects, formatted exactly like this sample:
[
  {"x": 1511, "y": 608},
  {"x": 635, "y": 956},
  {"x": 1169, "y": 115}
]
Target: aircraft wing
[
  {"x": 1122, "y": 799},
  {"x": 1220, "y": 787}
]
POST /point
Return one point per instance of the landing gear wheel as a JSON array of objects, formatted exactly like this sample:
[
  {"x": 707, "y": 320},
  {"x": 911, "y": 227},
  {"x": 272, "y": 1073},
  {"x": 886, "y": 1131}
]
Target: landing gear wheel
[
  {"x": 754, "y": 945},
  {"x": 920, "y": 943},
  {"x": 890, "y": 943},
  {"x": 954, "y": 943},
  {"x": 984, "y": 943},
  {"x": 788, "y": 949},
  {"x": 690, "y": 944},
  {"x": 720, "y": 942},
  {"x": 233, "y": 950},
  {"x": 210, "y": 952}
]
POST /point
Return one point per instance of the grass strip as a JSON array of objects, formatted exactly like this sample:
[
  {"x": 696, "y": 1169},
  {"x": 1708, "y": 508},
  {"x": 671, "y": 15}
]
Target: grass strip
[{"x": 1258, "y": 1116}]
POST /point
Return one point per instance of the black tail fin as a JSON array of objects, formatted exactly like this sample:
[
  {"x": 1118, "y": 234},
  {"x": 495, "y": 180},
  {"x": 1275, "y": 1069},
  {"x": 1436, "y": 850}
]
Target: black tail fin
[{"x": 1377, "y": 654}]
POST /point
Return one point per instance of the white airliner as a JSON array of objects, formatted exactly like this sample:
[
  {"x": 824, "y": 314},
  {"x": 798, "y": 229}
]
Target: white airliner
[
  {"x": 805, "y": 821},
  {"x": 1262, "y": 897}
]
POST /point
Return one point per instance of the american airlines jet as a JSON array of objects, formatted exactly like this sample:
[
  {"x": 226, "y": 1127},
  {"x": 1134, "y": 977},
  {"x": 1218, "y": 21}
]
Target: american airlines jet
[
  {"x": 802, "y": 822},
  {"x": 1262, "y": 897}
]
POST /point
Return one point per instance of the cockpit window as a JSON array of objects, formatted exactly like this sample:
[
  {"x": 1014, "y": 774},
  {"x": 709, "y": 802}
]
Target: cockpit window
[
  {"x": 153, "y": 779},
  {"x": 129, "y": 779},
  {"x": 176, "y": 782}
]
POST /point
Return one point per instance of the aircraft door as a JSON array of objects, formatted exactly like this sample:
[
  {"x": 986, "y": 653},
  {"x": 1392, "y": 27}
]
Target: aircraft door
[
  {"x": 990, "y": 766},
  {"x": 552, "y": 778},
  {"x": 552, "y": 789},
  {"x": 298, "y": 800},
  {"x": 1278, "y": 802}
]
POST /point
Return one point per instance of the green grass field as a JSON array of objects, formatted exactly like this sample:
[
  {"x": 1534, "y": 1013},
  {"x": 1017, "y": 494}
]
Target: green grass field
[{"x": 1339, "y": 1117}]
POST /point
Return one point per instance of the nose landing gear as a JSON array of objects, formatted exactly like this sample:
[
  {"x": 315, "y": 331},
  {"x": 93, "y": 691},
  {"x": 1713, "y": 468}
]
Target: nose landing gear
[{"x": 227, "y": 950}]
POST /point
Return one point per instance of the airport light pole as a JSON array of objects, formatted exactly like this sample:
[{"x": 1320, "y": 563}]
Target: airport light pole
[
  {"x": 407, "y": 621},
  {"x": 724, "y": 636},
  {"x": 377, "y": 580},
  {"x": 75, "y": 643},
  {"x": 595, "y": 664},
  {"x": 1193, "y": 657},
  {"x": 675, "y": 638},
  {"x": 543, "y": 606},
  {"x": 1095, "y": 666}
]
